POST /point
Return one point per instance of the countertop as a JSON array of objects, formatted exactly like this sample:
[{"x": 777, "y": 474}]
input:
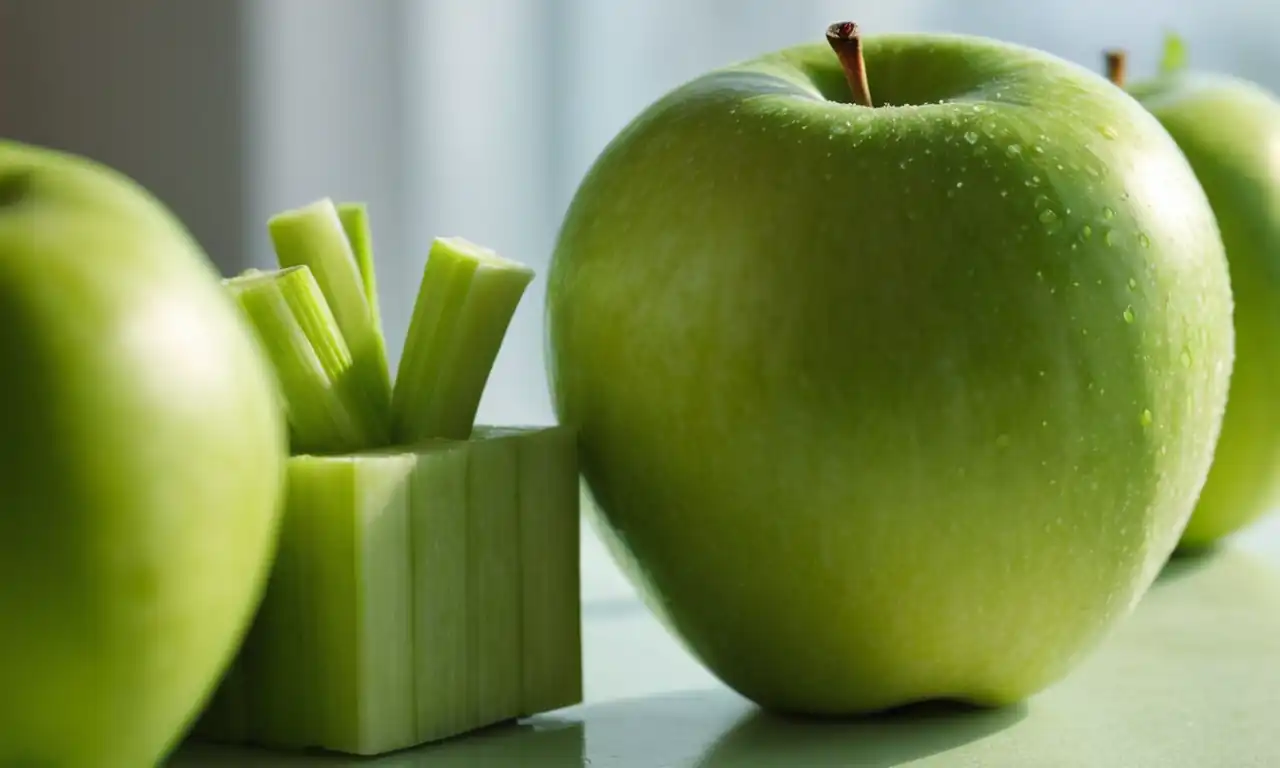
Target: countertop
[{"x": 1192, "y": 679}]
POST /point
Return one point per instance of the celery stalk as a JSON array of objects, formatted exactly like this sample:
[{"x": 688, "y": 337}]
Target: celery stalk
[
  {"x": 362, "y": 591},
  {"x": 355, "y": 223},
  {"x": 550, "y": 559},
  {"x": 465, "y": 303},
  {"x": 549, "y": 525},
  {"x": 328, "y": 406},
  {"x": 313, "y": 236},
  {"x": 493, "y": 579},
  {"x": 442, "y": 597}
]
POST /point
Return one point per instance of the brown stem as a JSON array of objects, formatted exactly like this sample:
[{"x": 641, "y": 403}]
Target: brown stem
[
  {"x": 847, "y": 43},
  {"x": 1116, "y": 66}
]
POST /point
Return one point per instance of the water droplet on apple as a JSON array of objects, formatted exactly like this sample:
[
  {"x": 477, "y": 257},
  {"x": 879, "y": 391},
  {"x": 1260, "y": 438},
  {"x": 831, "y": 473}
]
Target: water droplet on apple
[
  {"x": 1145, "y": 417},
  {"x": 1128, "y": 314},
  {"x": 1143, "y": 240},
  {"x": 1004, "y": 193},
  {"x": 1039, "y": 150},
  {"x": 1107, "y": 213},
  {"x": 971, "y": 137},
  {"x": 1013, "y": 150},
  {"x": 1186, "y": 358},
  {"x": 1133, "y": 283},
  {"x": 1086, "y": 232},
  {"x": 1107, "y": 131},
  {"x": 1039, "y": 275},
  {"x": 1040, "y": 201},
  {"x": 1109, "y": 238}
]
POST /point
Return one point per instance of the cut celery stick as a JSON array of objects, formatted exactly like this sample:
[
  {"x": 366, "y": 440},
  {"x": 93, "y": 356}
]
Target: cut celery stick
[
  {"x": 550, "y": 523},
  {"x": 442, "y": 599},
  {"x": 327, "y": 408},
  {"x": 313, "y": 236},
  {"x": 465, "y": 303},
  {"x": 550, "y": 579},
  {"x": 493, "y": 579},
  {"x": 355, "y": 223}
]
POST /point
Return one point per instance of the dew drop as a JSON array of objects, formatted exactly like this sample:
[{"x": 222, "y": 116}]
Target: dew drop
[
  {"x": 1109, "y": 238},
  {"x": 1039, "y": 150},
  {"x": 1107, "y": 131},
  {"x": 1143, "y": 240},
  {"x": 1128, "y": 314},
  {"x": 1004, "y": 193},
  {"x": 1133, "y": 283},
  {"x": 1013, "y": 150},
  {"x": 1086, "y": 232},
  {"x": 971, "y": 137},
  {"x": 1145, "y": 417},
  {"x": 1107, "y": 213},
  {"x": 1185, "y": 358},
  {"x": 1047, "y": 216}
]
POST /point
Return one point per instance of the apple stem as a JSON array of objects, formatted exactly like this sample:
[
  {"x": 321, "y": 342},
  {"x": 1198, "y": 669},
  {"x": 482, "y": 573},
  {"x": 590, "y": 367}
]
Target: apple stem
[
  {"x": 1116, "y": 67},
  {"x": 846, "y": 41}
]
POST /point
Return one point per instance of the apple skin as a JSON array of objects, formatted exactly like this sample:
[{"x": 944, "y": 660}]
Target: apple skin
[
  {"x": 142, "y": 455},
  {"x": 1229, "y": 130},
  {"x": 881, "y": 405}
]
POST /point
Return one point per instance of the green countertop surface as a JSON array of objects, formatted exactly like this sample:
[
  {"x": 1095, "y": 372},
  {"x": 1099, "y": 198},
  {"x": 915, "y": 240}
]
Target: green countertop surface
[{"x": 1191, "y": 679}]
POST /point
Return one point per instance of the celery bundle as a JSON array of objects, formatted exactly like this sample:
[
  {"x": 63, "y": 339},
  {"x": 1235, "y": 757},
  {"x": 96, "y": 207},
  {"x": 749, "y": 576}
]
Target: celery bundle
[{"x": 426, "y": 581}]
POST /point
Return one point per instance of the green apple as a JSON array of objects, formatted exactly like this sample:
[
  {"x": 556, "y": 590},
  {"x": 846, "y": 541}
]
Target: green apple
[
  {"x": 1229, "y": 130},
  {"x": 892, "y": 403},
  {"x": 142, "y": 455}
]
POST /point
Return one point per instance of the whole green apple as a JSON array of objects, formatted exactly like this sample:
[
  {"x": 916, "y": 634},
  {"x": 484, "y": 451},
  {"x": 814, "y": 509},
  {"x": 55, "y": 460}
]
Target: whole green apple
[
  {"x": 142, "y": 455},
  {"x": 1229, "y": 130},
  {"x": 891, "y": 403}
]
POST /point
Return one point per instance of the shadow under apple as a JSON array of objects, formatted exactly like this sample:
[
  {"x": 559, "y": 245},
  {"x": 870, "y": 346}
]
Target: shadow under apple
[{"x": 893, "y": 738}]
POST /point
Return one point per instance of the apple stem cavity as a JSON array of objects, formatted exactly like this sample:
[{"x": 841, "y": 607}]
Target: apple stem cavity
[
  {"x": 846, "y": 41},
  {"x": 1115, "y": 62}
]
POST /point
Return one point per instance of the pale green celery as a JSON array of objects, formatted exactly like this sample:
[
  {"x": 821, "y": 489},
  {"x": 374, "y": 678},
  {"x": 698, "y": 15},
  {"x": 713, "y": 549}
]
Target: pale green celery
[
  {"x": 313, "y": 235},
  {"x": 493, "y": 579},
  {"x": 355, "y": 223},
  {"x": 363, "y": 587},
  {"x": 550, "y": 522},
  {"x": 326, "y": 403},
  {"x": 465, "y": 303},
  {"x": 442, "y": 599},
  {"x": 550, "y": 559}
]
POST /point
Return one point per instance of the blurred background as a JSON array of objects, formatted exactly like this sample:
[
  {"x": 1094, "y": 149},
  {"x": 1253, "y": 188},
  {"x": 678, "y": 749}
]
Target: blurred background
[{"x": 461, "y": 117}]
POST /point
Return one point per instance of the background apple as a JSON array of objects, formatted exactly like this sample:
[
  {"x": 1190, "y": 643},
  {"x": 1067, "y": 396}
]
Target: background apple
[
  {"x": 1229, "y": 130},
  {"x": 141, "y": 461},
  {"x": 893, "y": 403}
]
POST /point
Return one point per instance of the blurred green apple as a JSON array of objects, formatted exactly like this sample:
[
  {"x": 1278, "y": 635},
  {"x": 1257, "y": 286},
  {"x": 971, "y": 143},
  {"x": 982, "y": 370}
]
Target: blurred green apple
[
  {"x": 1229, "y": 130},
  {"x": 141, "y": 464},
  {"x": 892, "y": 403}
]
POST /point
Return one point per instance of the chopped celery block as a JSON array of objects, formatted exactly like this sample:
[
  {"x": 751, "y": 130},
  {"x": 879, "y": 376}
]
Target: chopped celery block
[
  {"x": 493, "y": 578},
  {"x": 355, "y": 223},
  {"x": 313, "y": 235},
  {"x": 465, "y": 303},
  {"x": 442, "y": 598},
  {"x": 327, "y": 404}
]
